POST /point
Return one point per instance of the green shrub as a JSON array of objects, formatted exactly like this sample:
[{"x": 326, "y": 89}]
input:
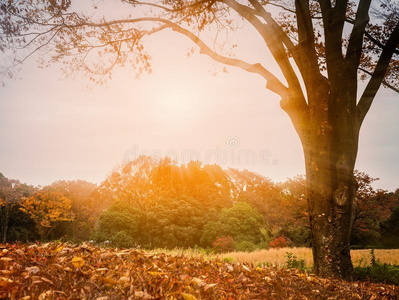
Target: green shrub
[
  {"x": 245, "y": 246},
  {"x": 377, "y": 272},
  {"x": 293, "y": 262},
  {"x": 229, "y": 259}
]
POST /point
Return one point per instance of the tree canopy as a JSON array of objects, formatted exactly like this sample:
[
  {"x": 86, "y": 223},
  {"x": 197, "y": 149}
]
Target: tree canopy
[{"x": 309, "y": 32}]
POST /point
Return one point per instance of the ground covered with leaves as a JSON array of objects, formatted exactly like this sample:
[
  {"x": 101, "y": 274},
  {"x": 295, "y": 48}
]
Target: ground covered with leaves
[{"x": 64, "y": 271}]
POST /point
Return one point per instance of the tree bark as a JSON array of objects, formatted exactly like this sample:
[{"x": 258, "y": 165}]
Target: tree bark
[
  {"x": 329, "y": 132},
  {"x": 4, "y": 214},
  {"x": 331, "y": 213}
]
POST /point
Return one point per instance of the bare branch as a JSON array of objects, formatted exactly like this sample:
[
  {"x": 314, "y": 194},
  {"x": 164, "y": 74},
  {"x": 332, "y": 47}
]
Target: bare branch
[
  {"x": 306, "y": 62},
  {"x": 384, "y": 82},
  {"x": 354, "y": 50},
  {"x": 191, "y": 5},
  {"x": 273, "y": 83},
  {"x": 378, "y": 75},
  {"x": 306, "y": 42},
  {"x": 333, "y": 21},
  {"x": 276, "y": 47}
]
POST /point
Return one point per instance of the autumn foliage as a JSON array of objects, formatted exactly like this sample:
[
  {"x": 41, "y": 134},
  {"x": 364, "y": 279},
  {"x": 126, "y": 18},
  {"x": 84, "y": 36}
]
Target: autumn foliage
[
  {"x": 66, "y": 271},
  {"x": 156, "y": 203},
  {"x": 278, "y": 242},
  {"x": 223, "y": 244},
  {"x": 46, "y": 208}
]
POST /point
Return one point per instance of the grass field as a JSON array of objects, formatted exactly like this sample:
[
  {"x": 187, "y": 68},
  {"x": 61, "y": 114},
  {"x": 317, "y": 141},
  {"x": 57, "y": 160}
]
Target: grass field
[{"x": 279, "y": 256}]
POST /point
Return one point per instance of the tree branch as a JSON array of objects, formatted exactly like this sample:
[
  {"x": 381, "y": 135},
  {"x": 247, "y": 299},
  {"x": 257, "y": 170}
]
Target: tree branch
[
  {"x": 276, "y": 47},
  {"x": 274, "y": 84},
  {"x": 306, "y": 42},
  {"x": 302, "y": 57},
  {"x": 333, "y": 21},
  {"x": 191, "y": 5},
  {"x": 378, "y": 76},
  {"x": 384, "y": 82},
  {"x": 354, "y": 50}
]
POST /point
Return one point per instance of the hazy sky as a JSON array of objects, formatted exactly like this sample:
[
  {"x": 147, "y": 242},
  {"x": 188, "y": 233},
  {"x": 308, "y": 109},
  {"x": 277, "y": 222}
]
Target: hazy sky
[{"x": 53, "y": 128}]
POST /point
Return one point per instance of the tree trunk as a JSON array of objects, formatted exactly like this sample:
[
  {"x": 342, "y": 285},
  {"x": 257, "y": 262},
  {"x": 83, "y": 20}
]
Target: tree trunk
[
  {"x": 331, "y": 213},
  {"x": 4, "y": 214},
  {"x": 329, "y": 134}
]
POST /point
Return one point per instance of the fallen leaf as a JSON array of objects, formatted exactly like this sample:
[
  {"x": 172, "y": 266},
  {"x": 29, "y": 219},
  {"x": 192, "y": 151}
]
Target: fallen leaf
[
  {"x": 20, "y": 252},
  {"x": 188, "y": 296},
  {"x": 209, "y": 286},
  {"x": 78, "y": 262},
  {"x": 32, "y": 270}
]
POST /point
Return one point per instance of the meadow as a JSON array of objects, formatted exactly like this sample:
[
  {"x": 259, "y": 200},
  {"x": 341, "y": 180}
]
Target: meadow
[{"x": 278, "y": 256}]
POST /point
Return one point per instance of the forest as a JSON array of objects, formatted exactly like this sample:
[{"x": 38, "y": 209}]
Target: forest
[{"x": 155, "y": 203}]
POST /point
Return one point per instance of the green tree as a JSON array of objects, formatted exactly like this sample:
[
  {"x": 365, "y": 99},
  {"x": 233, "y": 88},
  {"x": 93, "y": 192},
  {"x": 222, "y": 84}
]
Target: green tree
[
  {"x": 120, "y": 224},
  {"x": 325, "y": 112},
  {"x": 373, "y": 209},
  {"x": 242, "y": 222},
  {"x": 175, "y": 222},
  {"x": 172, "y": 222},
  {"x": 390, "y": 235}
]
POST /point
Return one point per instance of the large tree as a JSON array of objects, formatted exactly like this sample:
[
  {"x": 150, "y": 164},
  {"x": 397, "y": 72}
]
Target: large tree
[
  {"x": 11, "y": 193},
  {"x": 327, "y": 45}
]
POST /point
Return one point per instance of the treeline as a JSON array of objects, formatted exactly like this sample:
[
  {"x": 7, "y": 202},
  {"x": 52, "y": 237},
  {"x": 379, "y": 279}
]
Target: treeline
[{"x": 157, "y": 203}]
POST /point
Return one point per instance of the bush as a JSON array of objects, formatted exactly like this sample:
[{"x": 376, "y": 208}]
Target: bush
[
  {"x": 245, "y": 246},
  {"x": 228, "y": 259},
  {"x": 293, "y": 263},
  {"x": 278, "y": 242},
  {"x": 377, "y": 272},
  {"x": 224, "y": 244}
]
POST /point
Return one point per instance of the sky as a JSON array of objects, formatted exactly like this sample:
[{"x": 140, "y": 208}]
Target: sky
[{"x": 56, "y": 128}]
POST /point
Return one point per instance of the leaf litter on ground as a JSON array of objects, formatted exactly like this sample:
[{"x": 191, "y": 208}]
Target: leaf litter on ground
[{"x": 66, "y": 271}]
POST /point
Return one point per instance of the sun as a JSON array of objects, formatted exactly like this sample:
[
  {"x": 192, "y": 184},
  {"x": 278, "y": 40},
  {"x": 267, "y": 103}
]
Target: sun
[{"x": 178, "y": 99}]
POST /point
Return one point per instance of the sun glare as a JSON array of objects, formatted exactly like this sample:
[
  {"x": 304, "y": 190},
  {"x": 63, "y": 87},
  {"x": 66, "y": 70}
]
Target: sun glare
[{"x": 178, "y": 101}]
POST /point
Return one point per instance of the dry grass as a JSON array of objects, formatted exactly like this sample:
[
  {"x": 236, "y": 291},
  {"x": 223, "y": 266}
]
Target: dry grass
[
  {"x": 390, "y": 256},
  {"x": 272, "y": 256},
  {"x": 279, "y": 256}
]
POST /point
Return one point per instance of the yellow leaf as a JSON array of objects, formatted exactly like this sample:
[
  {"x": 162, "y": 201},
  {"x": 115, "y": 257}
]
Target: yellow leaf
[
  {"x": 78, "y": 261},
  {"x": 188, "y": 296},
  {"x": 59, "y": 249},
  {"x": 157, "y": 273}
]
